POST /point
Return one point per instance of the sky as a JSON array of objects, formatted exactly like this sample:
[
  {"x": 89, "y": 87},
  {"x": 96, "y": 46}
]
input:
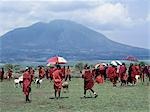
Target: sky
[{"x": 124, "y": 21}]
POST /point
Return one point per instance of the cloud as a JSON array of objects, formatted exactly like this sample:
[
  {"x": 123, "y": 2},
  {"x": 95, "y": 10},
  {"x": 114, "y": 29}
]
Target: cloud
[{"x": 105, "y": 16}]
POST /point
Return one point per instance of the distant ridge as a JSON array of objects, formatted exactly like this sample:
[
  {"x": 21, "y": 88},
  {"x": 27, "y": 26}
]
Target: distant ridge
[{"x": 62, "y": 37}]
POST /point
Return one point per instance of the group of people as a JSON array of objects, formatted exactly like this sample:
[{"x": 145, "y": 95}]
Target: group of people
[
  {"x": 114, "y": 74},
  {"x": 60, "y": 74},
  {"x": 4, "y": 75},
  {"x": 120, "y": 73},
  {"x": 57, "y": 74}
]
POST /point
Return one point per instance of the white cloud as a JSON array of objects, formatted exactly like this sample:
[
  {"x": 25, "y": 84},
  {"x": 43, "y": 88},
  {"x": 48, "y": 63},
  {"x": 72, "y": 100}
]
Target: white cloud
[{"x": 97, "y": 14}]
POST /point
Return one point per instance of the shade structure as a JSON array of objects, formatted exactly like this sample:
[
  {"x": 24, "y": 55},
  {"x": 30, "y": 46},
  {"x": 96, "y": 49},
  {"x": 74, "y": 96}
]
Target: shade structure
[{"x": 57, "y": 60}]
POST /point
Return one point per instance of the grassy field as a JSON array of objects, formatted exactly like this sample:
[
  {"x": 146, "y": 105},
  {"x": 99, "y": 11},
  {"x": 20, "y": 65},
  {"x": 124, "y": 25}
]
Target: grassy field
[{"x": 110, "y": 99}]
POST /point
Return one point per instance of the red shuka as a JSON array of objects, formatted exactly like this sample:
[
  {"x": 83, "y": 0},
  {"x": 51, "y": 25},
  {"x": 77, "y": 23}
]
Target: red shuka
[
  {"x": 10, "y": 73},
  {"x": 111, "y": 72},
  {"x": 88, "y": 79},
  {"x": 63, "y": 72},
  {"x": 51, "y": 70},
  {"x": 122, "y": 71},
  {"x": 134, "y": 71},
  {"x": 99, "y": 79},
  {"x": 26, "y": 82},
  {"x": 41, "y": 73},
  {"x": 32, "y": 74},
  {"x": 57, "y": 80}
]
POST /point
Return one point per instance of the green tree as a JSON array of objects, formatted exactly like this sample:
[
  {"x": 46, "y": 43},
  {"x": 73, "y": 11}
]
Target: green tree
[
  {"x": 79, "y": 66},
  {"x": 142, "y": 63},
  {"x": 8, "y": 66}
]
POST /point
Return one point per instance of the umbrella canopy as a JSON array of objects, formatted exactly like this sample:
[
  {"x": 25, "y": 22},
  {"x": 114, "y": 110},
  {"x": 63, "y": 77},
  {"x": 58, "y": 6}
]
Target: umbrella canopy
[
  {"x": 131, "y": 58},
  {"x": 50, "y": 65},
  {"x": 114, "y": 63},
  {"x": 118, "y": 62},
  {"x": 97, "y": 66},
  {"x": 56, "y": 60},
  {"x": 100, "y": 64}
]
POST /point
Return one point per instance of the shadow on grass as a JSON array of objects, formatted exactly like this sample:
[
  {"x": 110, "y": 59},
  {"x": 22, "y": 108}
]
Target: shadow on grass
[
  {"x": 58, "y": 98},
  {"x": 87, "y": 97}
]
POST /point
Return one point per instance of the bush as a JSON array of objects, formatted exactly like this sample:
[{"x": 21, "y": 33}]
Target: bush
[
  {"x": 79, "y": 66},
  {"x": 15, "y": 68},
  {"x": 142, "y": 63}
]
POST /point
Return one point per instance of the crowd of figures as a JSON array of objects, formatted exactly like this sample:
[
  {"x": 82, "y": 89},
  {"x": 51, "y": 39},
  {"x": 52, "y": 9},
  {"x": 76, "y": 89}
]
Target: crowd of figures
[
  {"x": 60, "y": 75},
  {"x": 115, "y": 74}
]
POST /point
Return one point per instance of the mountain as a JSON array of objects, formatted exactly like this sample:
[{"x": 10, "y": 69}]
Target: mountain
[{"x": 62, "y": 37}]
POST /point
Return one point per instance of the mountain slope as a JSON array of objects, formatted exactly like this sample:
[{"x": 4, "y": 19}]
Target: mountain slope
[{"x": 62, "y": 37}]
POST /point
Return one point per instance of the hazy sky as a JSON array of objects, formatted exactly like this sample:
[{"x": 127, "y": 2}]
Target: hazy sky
[{"x": 125, "y": 21}]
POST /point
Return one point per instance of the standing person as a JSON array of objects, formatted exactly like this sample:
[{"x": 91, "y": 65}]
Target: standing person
[
  {"x": 88, "y": 80},
  {"x": 112, "y": 74},
  {"x": 9, "y": 73},
  {"x": 63, "y": 72},
  {"x": 46, "y": 73},
  {"x": 134, "y": 72},
  {"x": 146, "y": 72},
  {"x": 27, "y": 84},
  {"x": 129, "y": 73},
  {"x": 68, "y": 74},
  {"x": 99, "y": 77},
  {"x": 122, "y": 73},
  {"x": 41, "y": 72},
  {"x": 142, "y": 73},
  {"x": 105, "y": 75},
  {"x": 51, "y": 70},
  {"x": 32, "y": 73},
  {"x": 2, "y": 74},
  {"x": 57, "y": 78}
]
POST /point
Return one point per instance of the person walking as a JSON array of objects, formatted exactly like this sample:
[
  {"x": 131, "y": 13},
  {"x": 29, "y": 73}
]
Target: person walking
[
  {"x": 27, "y": 84},
  {"x": 87, "y": 75}
]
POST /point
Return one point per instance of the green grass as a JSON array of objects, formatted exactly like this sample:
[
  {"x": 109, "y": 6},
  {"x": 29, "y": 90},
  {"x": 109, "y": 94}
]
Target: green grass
[{"x": 110, "y": 99}]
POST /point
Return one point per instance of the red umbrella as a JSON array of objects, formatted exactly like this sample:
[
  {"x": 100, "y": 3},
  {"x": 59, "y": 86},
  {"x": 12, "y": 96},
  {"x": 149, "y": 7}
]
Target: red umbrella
[
  {"x": 131, "y": 58},
  {"x": 57, "y": 60}
]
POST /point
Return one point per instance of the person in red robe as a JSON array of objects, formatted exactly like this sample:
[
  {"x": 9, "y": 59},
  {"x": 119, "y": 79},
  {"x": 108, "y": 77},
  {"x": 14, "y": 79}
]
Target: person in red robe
[
  {"x": 122, "y": 74},
  {"x": 27, "y": 83},
  {"x": 41, "y": 72},
  {"x": 146, "y": 71},
  {"x": 134, "y": 72},
  {"x": 88, "y": 80},
  {"x": 51, "y": 70},
  {"x": 100, "y": 76},
  {"x": 47, "y": 73},
  {"x": 9, "y": 73},
  {"x": 2, "y": 74},
  {"x": 68, "y": 74},
  {"x": 63, "y": 72},
  {"x": 112, "y": 74},
  {"x": 57, "y": 78},
  {"x": 32, "y": 73}
]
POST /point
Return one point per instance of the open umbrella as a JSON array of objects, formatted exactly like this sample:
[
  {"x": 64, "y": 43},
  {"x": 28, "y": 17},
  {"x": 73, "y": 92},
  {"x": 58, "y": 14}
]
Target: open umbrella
[
  {"x": 97, "y": 66},
  {"x": 114, "y": 63},
  {"x": 118, "y": 62},
  {"x": 100, "y": 64},
  {"x": 56, "y": 60}
]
